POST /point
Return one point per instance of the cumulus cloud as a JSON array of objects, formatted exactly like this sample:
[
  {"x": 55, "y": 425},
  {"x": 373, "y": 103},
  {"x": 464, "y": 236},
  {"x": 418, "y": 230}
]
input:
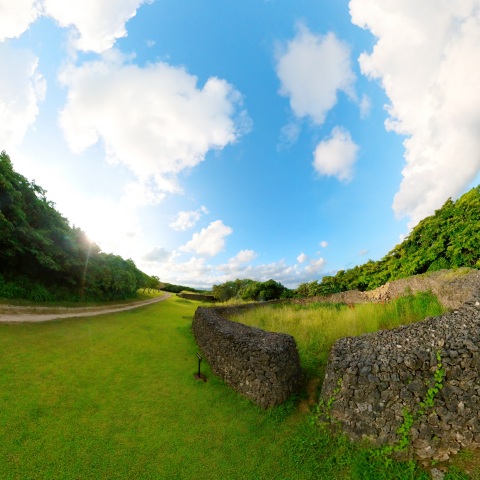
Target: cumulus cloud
[
  {"x": 426, "y": 58},
  {"x": 302, "y": 258},
  {"x": 336, "y": 155},
  {"x": 158, "y": 255},
  {"x": 187, "y": 219},
  {"x": 315, "y": 266},
  {"x": 237, "y": 266},
  {"x": 155, "y": 120},
  {"x": 323, "y": 244},
  {"x": 242, "y": 257},
  {"x": 312, "y": 70},
  {"x": 96, "y": 24},
  {"x": 210, "y": 241},
  {"x": 22, "y": 87},
  {"x": 197, "y": 272},
  {"x": 143, "y": 193},
  {"x": 16, "y": 16}
]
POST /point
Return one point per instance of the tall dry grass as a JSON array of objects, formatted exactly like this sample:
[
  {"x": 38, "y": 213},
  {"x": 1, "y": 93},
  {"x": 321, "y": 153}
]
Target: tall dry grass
[{"x": 316, "y": 326}]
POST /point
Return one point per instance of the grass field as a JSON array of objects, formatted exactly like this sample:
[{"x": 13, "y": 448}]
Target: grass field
[
  {"x": 114, "y": 396},
  {"x": 317, "y": 326}
]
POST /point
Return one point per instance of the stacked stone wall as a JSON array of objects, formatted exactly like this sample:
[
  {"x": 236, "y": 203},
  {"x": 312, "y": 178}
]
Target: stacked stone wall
[
  {"x": 379, "y": 380},
  {"x": 262, "y": 366},
  {"x": 452, "y": 288},
  {"x": 199, "y": 297}
]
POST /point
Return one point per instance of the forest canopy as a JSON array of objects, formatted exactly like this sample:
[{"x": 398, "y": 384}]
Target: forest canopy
[{"x": 43, "y": 258}]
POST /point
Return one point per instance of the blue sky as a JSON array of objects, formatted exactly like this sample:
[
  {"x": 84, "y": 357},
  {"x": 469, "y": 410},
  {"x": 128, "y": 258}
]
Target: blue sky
[{"x": 213, "y": 140}]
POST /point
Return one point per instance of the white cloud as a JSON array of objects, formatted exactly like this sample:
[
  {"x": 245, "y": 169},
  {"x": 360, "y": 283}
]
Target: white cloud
[
  {"x": 361, "y": 253},
  {"x": 237, "y": 266},
  {"x": 312, "y": 70},
  {"x": 365, "y": 106},
  {"x": 336, "y": 155},
  {"x": 158, "y": 255},
  {"x": 140, "y": 194},
  {"x": 242, "y": 257},
  {"x": 155, "y": 120},
  {"x": 98, "y": 23},
  {"x": 187, "y": 219},
  {"x": 324, "y": 244},
  {"x": 209, "y": 241},
  {"x": 315, "y": 266},
  {"x": 22, "y": 87},
  {"x": 196, "y": 272},
  {"x": 302, "y": 258},
  {"x": 426, "y": 57},
  {"x": 16, "y": 16}
]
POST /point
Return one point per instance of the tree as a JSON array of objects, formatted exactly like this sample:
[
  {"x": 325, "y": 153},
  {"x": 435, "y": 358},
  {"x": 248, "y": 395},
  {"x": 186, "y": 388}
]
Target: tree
[{"x": 41, "y": 252}]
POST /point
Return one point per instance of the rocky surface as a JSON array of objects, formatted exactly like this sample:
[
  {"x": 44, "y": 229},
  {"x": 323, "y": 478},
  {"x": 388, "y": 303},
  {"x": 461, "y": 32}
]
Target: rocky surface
[
  {"x": 262, "y": 366},
  {"x": 452, "y": 287},
  {"x": 378, "y": 380}
]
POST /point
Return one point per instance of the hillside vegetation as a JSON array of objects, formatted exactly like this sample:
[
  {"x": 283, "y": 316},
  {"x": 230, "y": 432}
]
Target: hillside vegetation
[
  {"x": 448, "y": 239},
  {"x": 43, "y": 258}
]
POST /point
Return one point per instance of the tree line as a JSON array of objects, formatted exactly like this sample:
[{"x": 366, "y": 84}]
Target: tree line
[
  {"x": 43, "y": 258},
  {"x": 251, "y": 290},
  {"x": 448, "y": 239}
]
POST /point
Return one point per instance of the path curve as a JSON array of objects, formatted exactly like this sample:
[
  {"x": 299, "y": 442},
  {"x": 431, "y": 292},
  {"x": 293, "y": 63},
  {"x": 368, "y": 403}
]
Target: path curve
[{"x": 16, "y": 316}]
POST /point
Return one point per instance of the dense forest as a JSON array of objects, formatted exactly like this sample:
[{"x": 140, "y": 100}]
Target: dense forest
[
  {"x": 448, "y": 239},
  {"x": 43, "y": 258}
]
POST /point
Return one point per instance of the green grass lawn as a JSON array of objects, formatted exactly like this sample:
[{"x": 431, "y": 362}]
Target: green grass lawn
[{"x": 114, "y": 396}]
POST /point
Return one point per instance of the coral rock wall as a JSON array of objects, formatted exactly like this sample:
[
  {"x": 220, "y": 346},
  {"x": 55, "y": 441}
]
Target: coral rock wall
[
  {"x": 378, "y": 380},
  {"x": 262, "y": 366}
]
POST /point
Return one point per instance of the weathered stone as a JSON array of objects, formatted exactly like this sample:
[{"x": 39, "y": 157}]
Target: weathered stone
[
  {"x": 263, "y": 366},
  {"x": 394, "y": 371}
]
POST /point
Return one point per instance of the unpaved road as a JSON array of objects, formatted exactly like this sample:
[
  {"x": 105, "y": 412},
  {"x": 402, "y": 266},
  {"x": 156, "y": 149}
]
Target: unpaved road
[{"x": 12, "y": 313}]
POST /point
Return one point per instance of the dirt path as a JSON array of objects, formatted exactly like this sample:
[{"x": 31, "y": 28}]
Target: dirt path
[{"x": 11, "y": 313}]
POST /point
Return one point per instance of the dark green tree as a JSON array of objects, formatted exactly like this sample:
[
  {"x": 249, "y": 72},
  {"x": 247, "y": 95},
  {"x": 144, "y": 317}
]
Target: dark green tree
[{"x": 42, "y": 257}]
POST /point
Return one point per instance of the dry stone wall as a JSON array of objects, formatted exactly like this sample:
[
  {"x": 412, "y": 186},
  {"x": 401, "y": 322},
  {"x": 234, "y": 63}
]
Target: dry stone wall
[
  {"x": 262, "y": 366},
  {"x": 452, "y": 288},
  {"x": 199, "y": 297},
  {"x": 380, "y": 381}
]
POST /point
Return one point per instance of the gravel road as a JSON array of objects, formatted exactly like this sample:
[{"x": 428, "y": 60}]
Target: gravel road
[{"x": 12, "y": 313}]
